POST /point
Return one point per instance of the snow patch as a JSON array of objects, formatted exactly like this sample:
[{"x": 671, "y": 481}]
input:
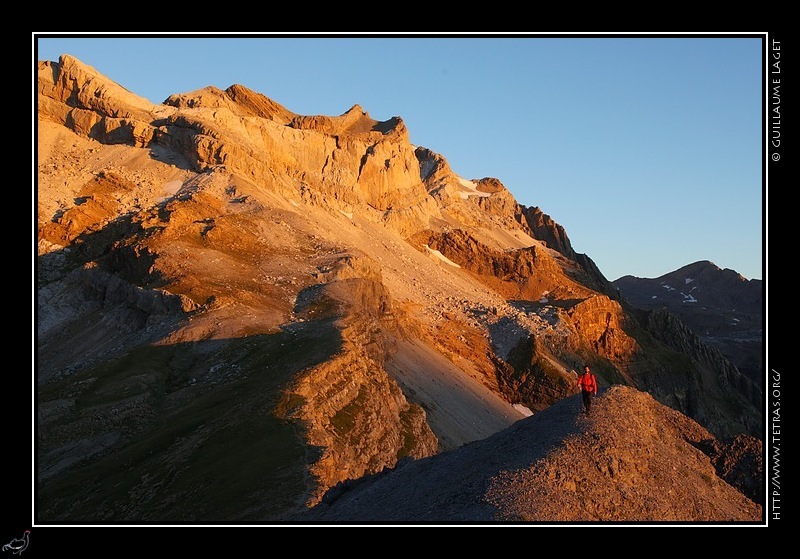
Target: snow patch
[
  {"x": 543, "y": 298},
  {"x": 654, "y": 297},
  {"x": 470, "y": 189},
  {"x": 689, "y": 280},
  {"x": 523, "y": 410},
  {"x": 440, "y": 256}
]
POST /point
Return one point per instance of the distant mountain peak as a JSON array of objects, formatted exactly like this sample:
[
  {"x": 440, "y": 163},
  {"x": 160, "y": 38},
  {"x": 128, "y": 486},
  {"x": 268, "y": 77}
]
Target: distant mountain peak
[{"x": 720, "y": 305}]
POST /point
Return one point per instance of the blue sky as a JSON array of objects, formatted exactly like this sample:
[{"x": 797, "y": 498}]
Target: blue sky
[{"x": 648, "y": 150}]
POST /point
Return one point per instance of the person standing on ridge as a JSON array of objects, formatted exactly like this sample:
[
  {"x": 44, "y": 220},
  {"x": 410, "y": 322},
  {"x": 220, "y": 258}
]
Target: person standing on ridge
[{"x": 587, "y": 383}]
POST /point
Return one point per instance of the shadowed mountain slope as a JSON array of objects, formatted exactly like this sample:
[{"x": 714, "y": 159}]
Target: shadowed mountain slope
[
  {"x": 631, "y": 460},
  {"x": 723, "y": 308}
]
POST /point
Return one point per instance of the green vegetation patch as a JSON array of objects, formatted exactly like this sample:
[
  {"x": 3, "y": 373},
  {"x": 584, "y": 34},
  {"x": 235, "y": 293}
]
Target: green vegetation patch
[
  {"x": 345, "y": 420},
  {"x": 410, "y": 441},
  {"x": 212, "y": 446}
]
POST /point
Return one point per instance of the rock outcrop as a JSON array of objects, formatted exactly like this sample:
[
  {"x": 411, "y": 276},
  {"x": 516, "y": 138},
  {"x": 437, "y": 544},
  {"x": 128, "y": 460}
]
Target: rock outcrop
[{"x": 349, "y": 406}]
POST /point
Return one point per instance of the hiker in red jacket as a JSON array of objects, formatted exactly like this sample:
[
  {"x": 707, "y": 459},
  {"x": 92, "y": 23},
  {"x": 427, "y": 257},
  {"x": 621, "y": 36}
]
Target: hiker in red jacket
[{"x": 587, "y": 384}]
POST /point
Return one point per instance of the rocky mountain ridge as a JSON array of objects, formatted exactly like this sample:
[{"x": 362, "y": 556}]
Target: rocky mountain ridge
[
  {"x": 615, "y": 465},
  {"x": 239, "y": 307},
  {"x": 723, "y": 308}
]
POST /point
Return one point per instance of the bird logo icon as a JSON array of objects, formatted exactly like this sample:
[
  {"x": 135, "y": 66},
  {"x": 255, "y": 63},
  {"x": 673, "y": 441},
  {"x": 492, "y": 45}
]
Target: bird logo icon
[{"x": 18, "y": 545}]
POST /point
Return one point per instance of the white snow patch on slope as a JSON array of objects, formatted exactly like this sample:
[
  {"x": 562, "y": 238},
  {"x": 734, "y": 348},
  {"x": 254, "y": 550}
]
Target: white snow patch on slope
[
  {"x": 523, "y": 410},
  {"x": 470, "y": 189},
  {"x": 543, "y": 298},
  {"x": 689, "y": 280},
  {"x": 440, "y": 256},
  {"x": 688, "y": 297}
]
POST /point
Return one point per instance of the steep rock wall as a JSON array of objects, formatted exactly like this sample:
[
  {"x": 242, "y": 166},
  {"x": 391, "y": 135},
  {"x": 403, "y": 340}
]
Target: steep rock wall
[
  {"x": 352, "y": 410},
  {"x": 710, "y": 388}
]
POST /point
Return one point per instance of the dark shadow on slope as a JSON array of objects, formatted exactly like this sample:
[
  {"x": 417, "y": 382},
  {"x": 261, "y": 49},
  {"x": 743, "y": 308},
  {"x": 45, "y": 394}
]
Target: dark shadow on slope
[
  {"x": 191, "y": 432},
  {"x": 114, "y": 246},
  {"x": 386, "y": 126},
  {"x": 460, "y": 486},
  {"x": 449, "y": 485},
  {"x": 165, "y": 147},
  {"x": 677, "y": 361},
  {"x": 93, "y": 229}
]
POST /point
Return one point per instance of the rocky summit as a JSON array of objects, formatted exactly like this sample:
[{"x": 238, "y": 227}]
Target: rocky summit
[{"x": 242, "y": 313}]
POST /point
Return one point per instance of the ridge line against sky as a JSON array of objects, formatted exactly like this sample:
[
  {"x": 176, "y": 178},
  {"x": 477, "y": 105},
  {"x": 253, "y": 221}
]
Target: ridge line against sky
[{"x": 646, "y": 149}]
